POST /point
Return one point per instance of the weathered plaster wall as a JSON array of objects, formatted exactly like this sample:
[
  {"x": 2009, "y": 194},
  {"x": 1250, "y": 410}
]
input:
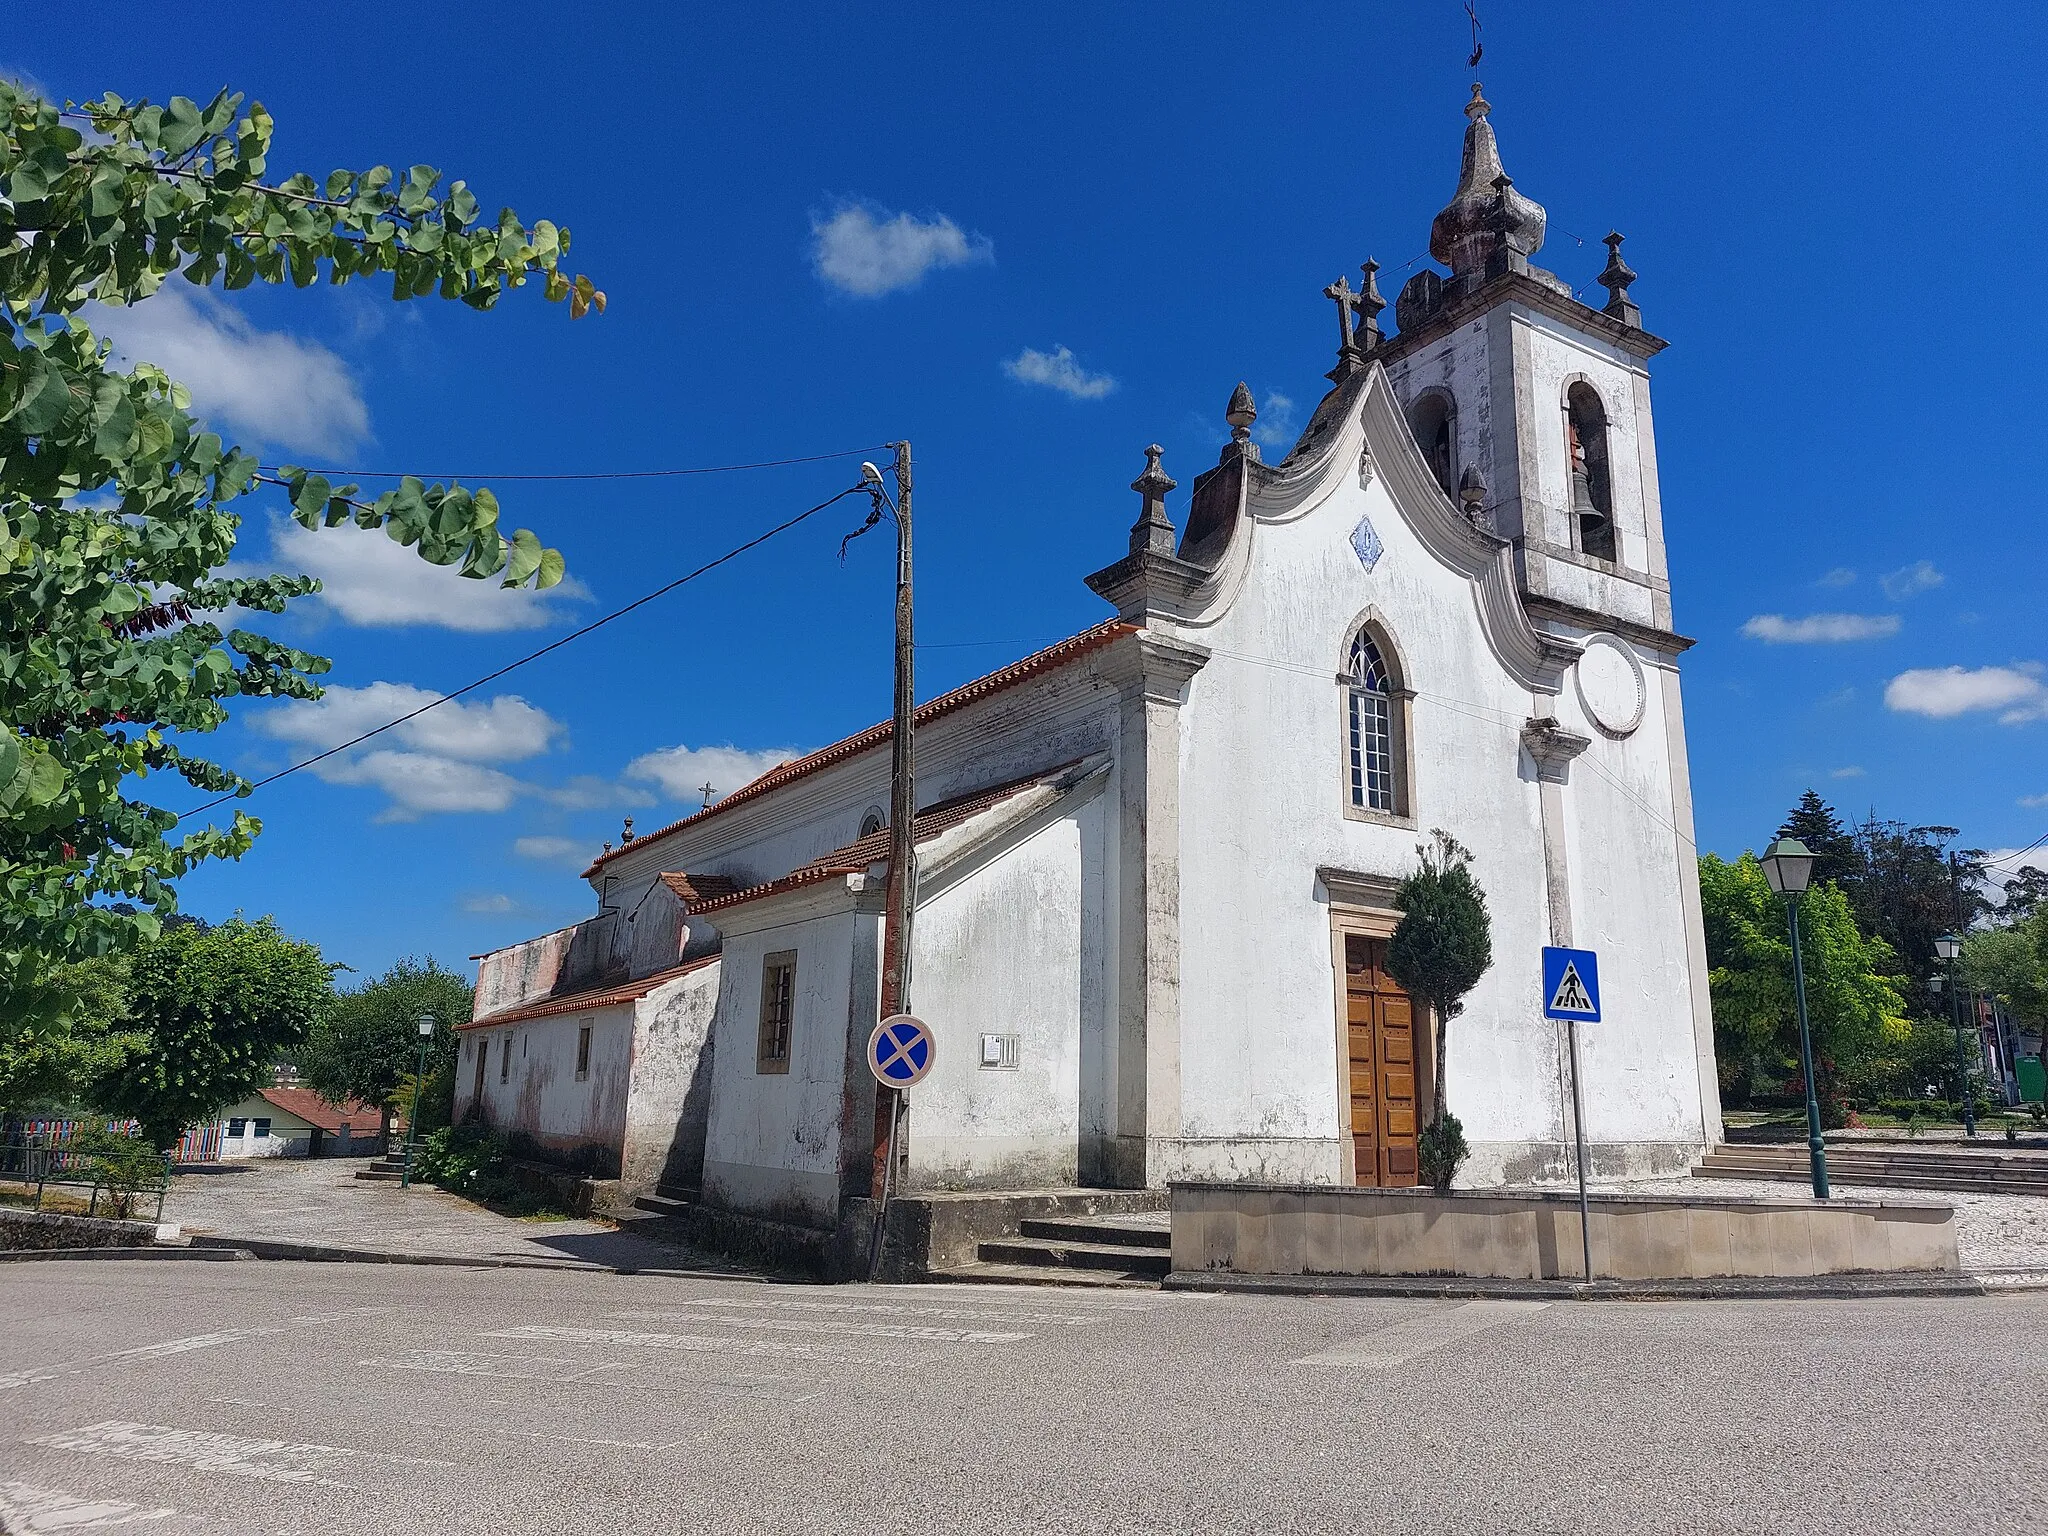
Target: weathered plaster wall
[
  {"x": 668, "y": 1103},
  {"x": 541, "y": 1097},
  {"x": 773, "y": 1138},
  {"x": 520, "y": 973},
  {"x": 1013, "y": 948}
]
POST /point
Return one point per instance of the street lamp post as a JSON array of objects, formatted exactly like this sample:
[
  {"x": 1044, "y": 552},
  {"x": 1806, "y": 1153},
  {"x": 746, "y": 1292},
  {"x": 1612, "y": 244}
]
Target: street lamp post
[
  {"x": 412, "y": 1118},
  {"x": 1788, "y": 866},
  {"x": 1950, "y": 946}
]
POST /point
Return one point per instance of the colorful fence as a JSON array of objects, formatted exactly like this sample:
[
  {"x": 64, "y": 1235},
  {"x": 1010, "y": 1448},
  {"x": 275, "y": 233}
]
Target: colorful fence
[{"x": 201, "y": 1144}]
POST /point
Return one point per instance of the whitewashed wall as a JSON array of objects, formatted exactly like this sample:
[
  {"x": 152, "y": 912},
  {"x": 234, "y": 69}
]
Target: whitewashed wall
[{"x": 540, "y": 1095}]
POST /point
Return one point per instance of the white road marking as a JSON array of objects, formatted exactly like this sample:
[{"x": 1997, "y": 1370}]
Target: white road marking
[
  {"x": 846, "y": 1328},
  {"x": 1418, "y": 1335},
  {"x": 32, "y": 1511},
  {"x": 700, "y": 1343},
  {"x": 458, "y": 1362},
  {"x": 892, "y": 1309},
  {"x": 273, "y": 1461},
  {"x": 36, "y": 1373}
]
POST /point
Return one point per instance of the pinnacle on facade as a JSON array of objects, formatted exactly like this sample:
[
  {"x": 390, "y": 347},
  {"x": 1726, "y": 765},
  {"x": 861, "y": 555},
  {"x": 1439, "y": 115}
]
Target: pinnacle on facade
[{"x": 1153, "y": 531}]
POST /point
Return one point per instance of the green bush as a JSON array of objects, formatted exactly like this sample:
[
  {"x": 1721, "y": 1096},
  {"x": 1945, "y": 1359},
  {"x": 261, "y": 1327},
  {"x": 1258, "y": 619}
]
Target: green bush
[
  {"x": 126, "y": 1167},
  {"x": 1440, "y": 1149}
]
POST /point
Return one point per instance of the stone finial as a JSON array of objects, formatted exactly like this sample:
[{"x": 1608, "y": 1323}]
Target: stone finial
[
  {"x": 626, "y": 832},
  {"x": 1153, "y": 531},
  {"x": 1241, "y": 413},
  {"x": 1478, "y": 106},
  {"x": 1615, "y": 279},
  {"x": 1369, "y": 306}
]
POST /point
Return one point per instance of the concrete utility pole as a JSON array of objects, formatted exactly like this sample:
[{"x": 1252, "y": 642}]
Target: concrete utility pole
[{"x": 901, "y": 897}]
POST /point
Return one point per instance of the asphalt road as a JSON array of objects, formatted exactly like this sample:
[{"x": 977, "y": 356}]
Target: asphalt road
[{"x": 272, "y": 1398}]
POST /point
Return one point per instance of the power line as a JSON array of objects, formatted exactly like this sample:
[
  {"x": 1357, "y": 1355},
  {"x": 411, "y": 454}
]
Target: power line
[
  {"x": 611, "y": 474},
  {"x": 510, "y": 666}
]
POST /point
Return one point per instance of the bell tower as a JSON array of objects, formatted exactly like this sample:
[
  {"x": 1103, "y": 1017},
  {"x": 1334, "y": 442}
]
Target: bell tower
[{"x": 1531, "y": 408}]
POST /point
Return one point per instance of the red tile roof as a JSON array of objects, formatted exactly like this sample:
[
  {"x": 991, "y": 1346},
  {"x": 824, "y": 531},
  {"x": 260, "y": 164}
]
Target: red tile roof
[
  {"x": 864, "y": 853},
  {"x": 1068, "y": 650},
  {"x": 596, "y": 997},
  {"x": 693, "y": 888},
  {"x": 362, "y": 1119}
]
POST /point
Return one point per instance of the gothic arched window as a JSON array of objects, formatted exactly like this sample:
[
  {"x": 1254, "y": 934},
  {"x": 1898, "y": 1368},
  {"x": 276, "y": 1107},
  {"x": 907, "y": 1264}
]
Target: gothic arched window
[
  {"x": 1434, "y": 421},
  {"x": 1376, "y": 754}
]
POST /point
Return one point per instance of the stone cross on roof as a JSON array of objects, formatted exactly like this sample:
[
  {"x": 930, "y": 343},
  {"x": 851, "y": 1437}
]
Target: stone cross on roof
[{"x": 1348, "y": 355}]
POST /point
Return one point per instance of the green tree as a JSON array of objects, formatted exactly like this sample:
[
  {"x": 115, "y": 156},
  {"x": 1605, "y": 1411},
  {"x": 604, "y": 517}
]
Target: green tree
[
  {"x": 214, "y": 1009},
  {"x": 115, "y": 507},
  {"x": 366, "y": 1044},
  {"x": 2011, "y": 963},
  {"x": 1440, "y": 949},
  {"x": 83, "y": 1038},
  {"x": 1909, "y": 892},
  {"x": 1814, "y": 822},
  {"x": 1854, "y": 1006}
]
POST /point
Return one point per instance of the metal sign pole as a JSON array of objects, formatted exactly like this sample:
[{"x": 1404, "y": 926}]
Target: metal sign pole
[{"x": 1579, "y": 1135}]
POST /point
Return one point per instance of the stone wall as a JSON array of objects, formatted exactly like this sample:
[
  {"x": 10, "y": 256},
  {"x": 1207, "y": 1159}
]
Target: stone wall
[
  {"x": 21, "y": 1231},
  {"x": 1269, "y": 1229}
]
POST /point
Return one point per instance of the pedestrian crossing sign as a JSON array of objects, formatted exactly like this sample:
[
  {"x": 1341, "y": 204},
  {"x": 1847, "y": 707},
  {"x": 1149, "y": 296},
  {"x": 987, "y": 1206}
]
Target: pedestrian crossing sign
[{"x": 1571, "y": 984}]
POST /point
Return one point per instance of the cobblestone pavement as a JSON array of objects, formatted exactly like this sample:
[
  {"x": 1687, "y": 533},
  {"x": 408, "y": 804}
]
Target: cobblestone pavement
[
  {"x": 320, "y": 1200},
  {"x": 1992, "y": 1231},
  {"x": 284, "y": 1399}
]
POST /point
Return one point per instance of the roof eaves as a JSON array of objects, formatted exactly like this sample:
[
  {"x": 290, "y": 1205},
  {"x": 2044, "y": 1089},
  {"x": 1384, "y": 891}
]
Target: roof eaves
[{"x": 1073, "y": 648}]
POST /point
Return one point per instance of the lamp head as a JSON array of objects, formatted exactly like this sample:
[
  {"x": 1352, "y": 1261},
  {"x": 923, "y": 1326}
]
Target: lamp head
[
  {"x": 1948, "y": 946},
  {"x": 426, "y": 1025},
  {"x": 1788, "y": 867}
]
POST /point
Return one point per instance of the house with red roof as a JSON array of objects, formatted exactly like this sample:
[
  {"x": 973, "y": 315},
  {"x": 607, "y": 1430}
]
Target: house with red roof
[
  {"x": 288, "y": 1121},
  {"x": 1156, "y": 864}
]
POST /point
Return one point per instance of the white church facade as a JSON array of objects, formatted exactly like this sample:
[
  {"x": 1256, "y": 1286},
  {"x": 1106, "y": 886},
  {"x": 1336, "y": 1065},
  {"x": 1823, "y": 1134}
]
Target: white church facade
[{"x": 1156, "y": 862}]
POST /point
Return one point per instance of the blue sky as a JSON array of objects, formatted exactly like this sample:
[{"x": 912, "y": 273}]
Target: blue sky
[{"x": 1033, "y": 241}]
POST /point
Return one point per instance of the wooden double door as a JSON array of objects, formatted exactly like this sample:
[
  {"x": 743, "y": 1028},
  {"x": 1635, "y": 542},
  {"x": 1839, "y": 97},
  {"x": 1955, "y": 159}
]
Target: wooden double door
[{"x": 1380, "y": 1026}]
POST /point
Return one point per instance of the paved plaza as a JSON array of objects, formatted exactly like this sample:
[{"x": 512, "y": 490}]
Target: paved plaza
[{"x": 286, "y": 1399}]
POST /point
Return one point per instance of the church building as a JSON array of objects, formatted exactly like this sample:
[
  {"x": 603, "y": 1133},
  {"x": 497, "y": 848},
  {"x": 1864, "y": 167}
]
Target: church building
[{"x": 1155, "y": 863}]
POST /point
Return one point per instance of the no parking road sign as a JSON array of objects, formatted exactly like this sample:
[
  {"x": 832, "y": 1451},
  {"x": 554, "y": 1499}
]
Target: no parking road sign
[
  {"x": 1571, "y": 984},
  {"x": 901, "y": 1051}
]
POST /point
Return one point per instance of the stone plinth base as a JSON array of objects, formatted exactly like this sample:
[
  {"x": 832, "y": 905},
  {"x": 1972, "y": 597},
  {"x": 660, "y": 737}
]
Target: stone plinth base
[{"x": 1272, "y": 1229}]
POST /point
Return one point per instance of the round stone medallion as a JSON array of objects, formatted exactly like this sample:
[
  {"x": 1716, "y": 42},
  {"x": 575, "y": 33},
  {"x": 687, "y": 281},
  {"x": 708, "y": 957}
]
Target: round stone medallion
[{"x": 1610, "y": 684}]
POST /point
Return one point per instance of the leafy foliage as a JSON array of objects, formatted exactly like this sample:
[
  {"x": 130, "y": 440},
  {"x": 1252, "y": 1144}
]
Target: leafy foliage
[
  {"x": 1814, "y": 822},
  {"x": 115, "y": 507},
  {"x": 1440, "y": 1149},
  {"x": 124, "y": 1165},
  {"x": 1854, "y": 1005},
  {"x": 213, "y": 1008},
  {"x": 85, "y": 1038},
  {"x": 366, "y": 1044},
  {"x": 2011, "y": 963},
  {"x": 1442, "y": 946}
]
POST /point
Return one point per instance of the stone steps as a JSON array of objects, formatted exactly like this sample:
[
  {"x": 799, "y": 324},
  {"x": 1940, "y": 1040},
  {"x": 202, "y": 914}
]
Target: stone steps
[
  {"x": 1037, "y": 1274},
  {"x": 1986, "y": 1172},
  {"x": 1075, "y": 1250}
]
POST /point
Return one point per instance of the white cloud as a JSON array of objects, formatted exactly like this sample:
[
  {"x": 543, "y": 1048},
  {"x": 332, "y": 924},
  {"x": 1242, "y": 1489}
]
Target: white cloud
[
  {"x": 1945, "y": 692},
  {"x": 1059, "y": 369},
  {"x": 681, "y": 772},
  {"x": 1276, "y": 427},
  {"x": 572, "y": 851},
  {"x": 1821, "y": 628},
  {"x": 496, "y": 902},
  {"x": 1907, "y": 580},
  {"x": 504, "y": 729},
  {"x": 420, "y": 784},
  {"x": 369, "y": 578},
  {"x": 588, "y": 792},
  {"x": 863, "y": 249},
  {"x": 1840, "y": 576},
  {"x": 273, "y": 387},
  {"x": 2034, "y": 802},
  {"x": 1851, "y": 772}
]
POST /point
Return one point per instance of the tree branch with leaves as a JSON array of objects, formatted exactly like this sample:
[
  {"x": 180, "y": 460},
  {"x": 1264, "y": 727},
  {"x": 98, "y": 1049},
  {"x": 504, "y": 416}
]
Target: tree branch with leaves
[{"x": 117, "y": 507}]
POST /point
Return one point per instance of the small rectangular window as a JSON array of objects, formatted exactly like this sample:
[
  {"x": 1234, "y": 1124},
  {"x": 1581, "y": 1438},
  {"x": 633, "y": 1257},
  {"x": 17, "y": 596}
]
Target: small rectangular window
[
  {"x": 582, "y": 1053},
  {"x": 235, "y": 1127},
  {"x": 505, "y": 1061},
  {"x": 778, "y": 1003},
  {"x": 260, "y": 1127}
]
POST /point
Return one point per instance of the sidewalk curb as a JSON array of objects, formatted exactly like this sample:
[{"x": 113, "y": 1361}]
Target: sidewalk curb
[
  {"x": 166, "y": 1251},
  {"x": 321, "y": 1253},
  {"x": 1463, "y": 1288}
]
